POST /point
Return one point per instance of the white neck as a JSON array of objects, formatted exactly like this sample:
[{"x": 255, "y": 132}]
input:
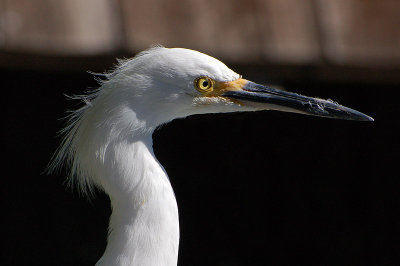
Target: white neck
[
  {"x": 144, "y": 225},
  {"x": 110, "y": 145}
]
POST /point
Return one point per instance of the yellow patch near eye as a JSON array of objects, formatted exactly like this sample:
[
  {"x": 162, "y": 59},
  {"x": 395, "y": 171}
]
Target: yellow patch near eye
[
  {"x": 235, "y": 85},
  {"x": 212, "y": 88}
]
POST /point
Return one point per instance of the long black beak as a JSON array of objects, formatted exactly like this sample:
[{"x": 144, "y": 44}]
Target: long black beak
[{"x": 288, "y": 101}]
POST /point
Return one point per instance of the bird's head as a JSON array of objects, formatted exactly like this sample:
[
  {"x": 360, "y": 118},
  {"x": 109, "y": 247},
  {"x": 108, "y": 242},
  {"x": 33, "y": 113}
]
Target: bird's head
[
  {"x": 157, "y": 86},
  {"x": 171, "y": 83}
]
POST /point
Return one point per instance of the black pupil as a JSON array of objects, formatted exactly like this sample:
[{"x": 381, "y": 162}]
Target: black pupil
[{"x": 205, "y": 83}]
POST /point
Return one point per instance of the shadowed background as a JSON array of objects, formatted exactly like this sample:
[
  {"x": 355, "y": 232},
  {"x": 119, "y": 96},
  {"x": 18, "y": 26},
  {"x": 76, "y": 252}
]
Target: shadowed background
[{"x": 263, "y": 188}]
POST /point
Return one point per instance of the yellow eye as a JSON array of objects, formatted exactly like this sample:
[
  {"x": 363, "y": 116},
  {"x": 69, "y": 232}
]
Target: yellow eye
[{"x": 204, "y": 84}]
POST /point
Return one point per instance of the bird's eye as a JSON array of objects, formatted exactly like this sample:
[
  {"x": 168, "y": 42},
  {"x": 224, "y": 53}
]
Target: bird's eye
[{"x": 204, "y": 84}]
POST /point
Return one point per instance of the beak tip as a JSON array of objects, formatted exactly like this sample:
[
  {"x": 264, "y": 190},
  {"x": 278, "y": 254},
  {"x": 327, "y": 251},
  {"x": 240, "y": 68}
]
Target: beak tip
[
  {"x": 370, "y": 119},
  {"x": 361, "y": 117}
]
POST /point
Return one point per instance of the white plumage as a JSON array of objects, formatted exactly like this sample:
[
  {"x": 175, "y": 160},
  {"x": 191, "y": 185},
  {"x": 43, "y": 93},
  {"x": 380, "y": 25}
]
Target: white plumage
[{"x": 108, "y": 142}]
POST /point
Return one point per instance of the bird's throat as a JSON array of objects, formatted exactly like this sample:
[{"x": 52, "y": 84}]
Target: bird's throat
[{"x": 144, "y": 225}]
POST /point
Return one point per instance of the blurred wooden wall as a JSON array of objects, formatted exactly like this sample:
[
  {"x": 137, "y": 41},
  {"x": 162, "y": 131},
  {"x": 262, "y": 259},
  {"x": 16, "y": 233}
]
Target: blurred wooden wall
[{"x": 296, "y": 32}]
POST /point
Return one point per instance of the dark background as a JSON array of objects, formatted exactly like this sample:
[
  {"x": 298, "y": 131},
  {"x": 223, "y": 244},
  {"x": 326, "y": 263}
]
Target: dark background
[{"x": 263, "y": 188}]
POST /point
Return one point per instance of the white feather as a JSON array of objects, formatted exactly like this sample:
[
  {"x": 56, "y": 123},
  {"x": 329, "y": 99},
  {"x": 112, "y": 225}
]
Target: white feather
[{"x": 108, "y": 144}]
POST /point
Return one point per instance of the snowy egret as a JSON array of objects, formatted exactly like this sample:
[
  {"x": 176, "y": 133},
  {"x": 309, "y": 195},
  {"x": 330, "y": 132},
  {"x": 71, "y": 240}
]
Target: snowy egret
[{"x": 108, "y": 142}]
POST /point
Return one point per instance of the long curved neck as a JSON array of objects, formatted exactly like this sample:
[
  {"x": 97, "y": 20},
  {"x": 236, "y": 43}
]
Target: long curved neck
[{"x": 144, "y": 225}]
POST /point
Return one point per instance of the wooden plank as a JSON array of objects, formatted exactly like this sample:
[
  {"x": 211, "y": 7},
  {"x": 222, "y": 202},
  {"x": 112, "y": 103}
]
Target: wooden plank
[
  {"x": 222, "y": 28},
  {"x": 360, "y": 32},
  {"x": 288, "y": 31},
  {"x": 238, "y": 31},
  {"x": 348, "y": 32},
  {"x": 59, "y": 26}
]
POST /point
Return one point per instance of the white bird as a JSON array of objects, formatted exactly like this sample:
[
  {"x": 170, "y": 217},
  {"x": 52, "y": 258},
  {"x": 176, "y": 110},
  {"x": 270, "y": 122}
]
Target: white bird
[{"x": 108, "y": 142}]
